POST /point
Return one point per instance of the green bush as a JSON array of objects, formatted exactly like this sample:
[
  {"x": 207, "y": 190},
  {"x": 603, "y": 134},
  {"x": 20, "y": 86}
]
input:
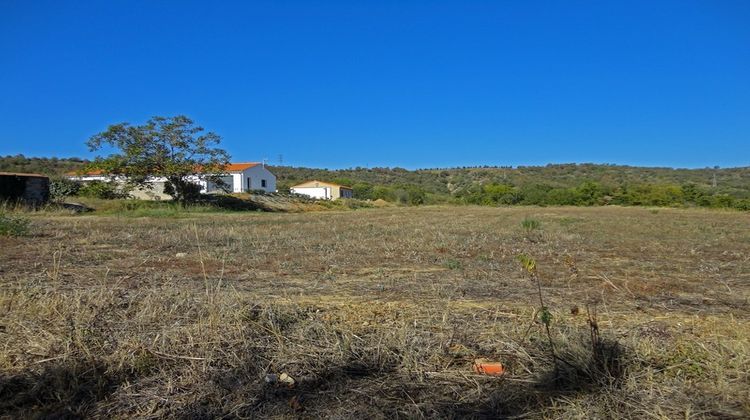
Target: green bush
[
  {"x": 59, "y": 188},
  {"x": 589, "y": 193},
  {"x": 493, "y": 195},
  {"x": 11, "y": 225},
  {"x": 383, "y": 193},
  {"x": 191, "y": 191},
  {"x": 100, "y": 189},
  {"x": 742, "y": 204},
  {"x": 362, "y": 191},
  {"x": 561, "y": 197}
]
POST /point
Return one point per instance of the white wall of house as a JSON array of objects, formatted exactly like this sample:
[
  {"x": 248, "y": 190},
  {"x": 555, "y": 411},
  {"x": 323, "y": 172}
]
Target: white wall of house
[
  {"x": 237, "y": 182},
  {"x": 211, "y": 186},
  {"x": 260, "y": 178},
  {"x": 85, "y": 178},
  {"x": 321, "y": 193},
  {"x": 254, "y": 178}
]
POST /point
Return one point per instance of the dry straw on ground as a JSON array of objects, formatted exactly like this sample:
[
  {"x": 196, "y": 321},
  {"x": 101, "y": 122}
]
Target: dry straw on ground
[{"x": 377, "y": 313}]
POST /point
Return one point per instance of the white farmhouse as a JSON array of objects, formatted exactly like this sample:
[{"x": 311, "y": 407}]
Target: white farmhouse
[
  {"x": 237, "y": 177},
  {"x": 241, "y": 177}
]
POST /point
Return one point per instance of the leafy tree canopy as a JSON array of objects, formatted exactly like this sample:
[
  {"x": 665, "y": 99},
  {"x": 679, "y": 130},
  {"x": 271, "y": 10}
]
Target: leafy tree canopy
[{"x": 169, "y": 147}]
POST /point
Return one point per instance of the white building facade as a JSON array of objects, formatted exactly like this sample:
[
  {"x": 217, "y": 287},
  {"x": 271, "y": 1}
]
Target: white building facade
[
  {"x": 238, "y": 178},
  {"x": 322, "y": 190},
  {"x": 241, "y": 177}
]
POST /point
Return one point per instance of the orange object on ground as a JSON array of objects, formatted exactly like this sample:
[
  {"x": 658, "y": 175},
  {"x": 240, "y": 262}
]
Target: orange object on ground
[{"x": 488, "y": 368}]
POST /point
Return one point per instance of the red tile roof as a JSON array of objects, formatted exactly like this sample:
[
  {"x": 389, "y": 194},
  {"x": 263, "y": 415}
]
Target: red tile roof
[{"x": 239, "y": 167}]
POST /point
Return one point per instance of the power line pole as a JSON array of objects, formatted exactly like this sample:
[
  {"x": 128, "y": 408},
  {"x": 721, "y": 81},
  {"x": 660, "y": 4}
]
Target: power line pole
[{"x": 716, "y": 169}]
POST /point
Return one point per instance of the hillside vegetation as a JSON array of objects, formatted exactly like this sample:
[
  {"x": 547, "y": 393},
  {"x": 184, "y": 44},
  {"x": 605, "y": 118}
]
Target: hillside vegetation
[
  {"x": 566, "y": 184},
  {"x": 560, "y": 184},
  {"x": 40, "y": 165}
]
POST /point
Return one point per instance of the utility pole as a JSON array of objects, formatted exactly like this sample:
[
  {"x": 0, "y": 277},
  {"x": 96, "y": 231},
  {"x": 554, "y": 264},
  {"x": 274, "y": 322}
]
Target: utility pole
[
  {"x": 716, "y": 169},
  {"x": 281, "y": 159}
]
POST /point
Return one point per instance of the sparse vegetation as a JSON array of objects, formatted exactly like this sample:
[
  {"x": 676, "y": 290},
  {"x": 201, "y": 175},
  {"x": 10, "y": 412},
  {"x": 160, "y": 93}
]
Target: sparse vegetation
[
  {"x": 530, "y": 225},
  {"x": 195, "y": 316},
  {"x": 13, "y": 224}
]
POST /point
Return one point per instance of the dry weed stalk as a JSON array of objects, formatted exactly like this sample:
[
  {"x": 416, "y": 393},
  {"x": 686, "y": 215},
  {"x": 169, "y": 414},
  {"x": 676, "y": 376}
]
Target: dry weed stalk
[{"x": 545, "y": 316}]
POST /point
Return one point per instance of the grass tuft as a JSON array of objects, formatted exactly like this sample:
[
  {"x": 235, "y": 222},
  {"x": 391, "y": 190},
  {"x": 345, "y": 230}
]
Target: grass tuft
[{"x": 13, "y": 225}]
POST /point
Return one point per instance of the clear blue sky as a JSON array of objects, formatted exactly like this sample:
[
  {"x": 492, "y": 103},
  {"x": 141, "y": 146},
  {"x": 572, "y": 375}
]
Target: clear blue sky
[{"x": 388, "y": 83}]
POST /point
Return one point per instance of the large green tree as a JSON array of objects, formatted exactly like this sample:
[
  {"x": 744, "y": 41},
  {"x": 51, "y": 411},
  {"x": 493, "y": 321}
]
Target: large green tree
[{"x": 170, "y": 147}]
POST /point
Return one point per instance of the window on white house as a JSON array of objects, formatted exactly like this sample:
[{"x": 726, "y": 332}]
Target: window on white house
[{"x": 263, "y": 183}]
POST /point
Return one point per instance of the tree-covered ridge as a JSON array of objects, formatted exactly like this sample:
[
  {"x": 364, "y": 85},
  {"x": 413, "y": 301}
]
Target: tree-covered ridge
[
  {"x": 558, "y": 184},
  {"x": 561, "y": 184},
  {"x": 40, "y": 165}
]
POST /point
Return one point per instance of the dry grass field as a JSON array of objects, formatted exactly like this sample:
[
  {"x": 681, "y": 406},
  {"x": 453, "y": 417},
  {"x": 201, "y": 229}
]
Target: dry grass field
[{"x": 377, "y": 313}]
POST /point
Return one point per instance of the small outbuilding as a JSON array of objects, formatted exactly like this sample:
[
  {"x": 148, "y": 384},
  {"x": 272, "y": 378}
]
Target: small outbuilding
[
  {"x": 322, "y": 190},
  {"x": 28, "y": 188}
]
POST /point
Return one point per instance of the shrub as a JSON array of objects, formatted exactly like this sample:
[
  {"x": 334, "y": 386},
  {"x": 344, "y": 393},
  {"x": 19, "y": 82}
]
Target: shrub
[
  {"x": 363, "y": 191},
  {"x": 589, "y": 193},
  {"x": 100, "y": 189},
  {"x": 535, "y": 194},
  {"x": 190, "y": 190},
  {"x": 561, "y": 197},
  {"x": 13, "y": 225},
  {"x": 383, "y": 193},
  {"x": 742, "y": 204},
  {"x": 60, "y": 188}
]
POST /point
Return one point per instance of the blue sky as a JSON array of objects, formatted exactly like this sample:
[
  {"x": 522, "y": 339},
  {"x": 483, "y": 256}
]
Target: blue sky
[{"x": 388, "y": 83}]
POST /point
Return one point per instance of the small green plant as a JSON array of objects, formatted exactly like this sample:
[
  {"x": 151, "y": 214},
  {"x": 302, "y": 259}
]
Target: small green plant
[
  {"x": 13, "y": 225},
  {"x": 529, "y": 225},
  {"x": 452, "y": 264}
]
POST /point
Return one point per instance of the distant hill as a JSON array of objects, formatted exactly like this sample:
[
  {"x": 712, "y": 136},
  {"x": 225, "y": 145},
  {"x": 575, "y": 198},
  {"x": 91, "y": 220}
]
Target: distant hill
[
  {"x": 554, "y": 184},
  {"x": 46, "y": 166},
  {"x": 453, "y": 181}
]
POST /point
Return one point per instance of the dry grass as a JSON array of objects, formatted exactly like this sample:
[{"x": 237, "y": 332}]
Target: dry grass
[{"x": 376, "y": 313}]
